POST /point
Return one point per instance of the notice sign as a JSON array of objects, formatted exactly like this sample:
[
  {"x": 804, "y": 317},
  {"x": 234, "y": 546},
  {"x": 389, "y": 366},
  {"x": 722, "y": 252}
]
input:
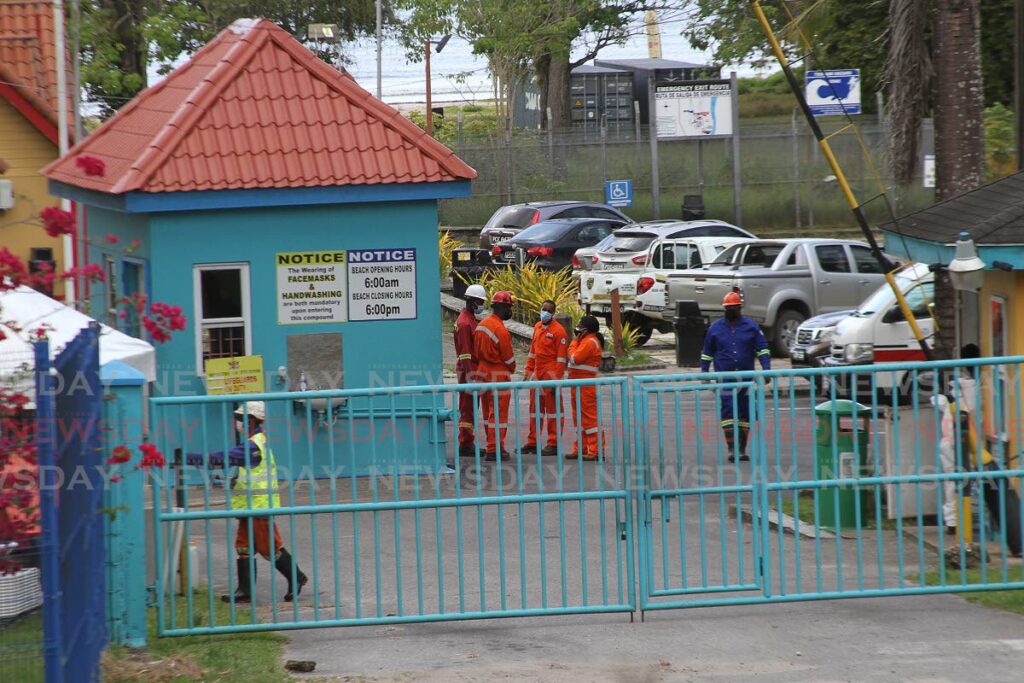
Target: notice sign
[
  {"x": 382, "y": 284},
  {"x": 311, "y": 287},
  {"x": 241, "y": 375},
  {"x": 697, "y": 109}
]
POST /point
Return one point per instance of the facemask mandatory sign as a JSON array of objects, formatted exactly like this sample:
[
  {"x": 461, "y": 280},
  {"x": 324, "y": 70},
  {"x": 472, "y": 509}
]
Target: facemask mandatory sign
[
  {"x": 311, "y": 287},
  {"x": 382, "y": 284}
]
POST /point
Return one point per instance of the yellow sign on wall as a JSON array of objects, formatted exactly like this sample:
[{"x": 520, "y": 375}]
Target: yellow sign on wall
[{"x": 241, "y": 375}]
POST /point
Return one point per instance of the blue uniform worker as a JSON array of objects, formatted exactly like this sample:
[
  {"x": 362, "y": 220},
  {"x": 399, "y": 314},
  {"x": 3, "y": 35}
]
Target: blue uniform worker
[{"x": 732, "y": 343}]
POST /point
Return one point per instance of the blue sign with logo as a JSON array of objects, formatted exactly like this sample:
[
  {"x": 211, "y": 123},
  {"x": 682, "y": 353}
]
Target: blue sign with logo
[
  {"x": 833, "y": 92},
  {"x": 618, "y": 193}
]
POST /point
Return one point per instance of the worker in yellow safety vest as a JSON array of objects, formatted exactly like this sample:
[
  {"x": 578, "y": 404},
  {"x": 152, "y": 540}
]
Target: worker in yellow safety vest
[{"x": 254, "y": 488}]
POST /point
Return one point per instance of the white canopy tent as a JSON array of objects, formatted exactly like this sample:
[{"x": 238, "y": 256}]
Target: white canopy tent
[{"x": 27, "y": 309}]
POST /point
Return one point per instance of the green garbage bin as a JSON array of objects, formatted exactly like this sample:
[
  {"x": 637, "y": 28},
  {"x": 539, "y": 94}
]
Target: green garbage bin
[{"x": 841, "y": 454}]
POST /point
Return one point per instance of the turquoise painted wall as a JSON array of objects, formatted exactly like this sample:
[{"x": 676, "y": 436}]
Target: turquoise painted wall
[
  {"x": 381, "y": 353},
  {"x": 126, "y": 227}
]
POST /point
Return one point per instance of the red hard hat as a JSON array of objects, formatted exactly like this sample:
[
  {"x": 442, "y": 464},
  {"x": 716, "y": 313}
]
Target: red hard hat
[
  {"x": 502, "y": 297},
  {"x": 732, "y": 299}
]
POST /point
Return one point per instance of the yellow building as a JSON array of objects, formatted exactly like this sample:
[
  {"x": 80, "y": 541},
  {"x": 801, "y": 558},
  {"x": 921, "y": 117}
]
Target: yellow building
[{"x": 28, "y": 131}]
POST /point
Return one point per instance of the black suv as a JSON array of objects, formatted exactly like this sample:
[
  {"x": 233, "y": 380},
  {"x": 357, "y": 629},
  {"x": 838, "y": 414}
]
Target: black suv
[{"x": 509, "y": 220}]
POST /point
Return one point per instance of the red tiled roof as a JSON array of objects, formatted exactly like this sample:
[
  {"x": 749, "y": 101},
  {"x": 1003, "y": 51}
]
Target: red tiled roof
[
  {"x": 27, "y": 53},
  {"x": 255, "y": 109}
]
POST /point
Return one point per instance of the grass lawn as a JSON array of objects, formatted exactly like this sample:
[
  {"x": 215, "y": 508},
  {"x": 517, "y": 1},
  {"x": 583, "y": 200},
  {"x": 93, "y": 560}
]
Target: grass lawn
[
  {"x": 633, "y": 358},
  {"x": 804, "y": 510},
  {"x": 21, "y": 649},
  {"x": 249, "y": 657},
  {"x": 1011, "y": 601}
]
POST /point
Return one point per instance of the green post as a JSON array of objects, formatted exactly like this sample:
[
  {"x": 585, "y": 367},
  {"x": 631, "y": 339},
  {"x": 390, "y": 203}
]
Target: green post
[
  {"x": 840, "y": 453},
  {"x": 125, "y": 503}
]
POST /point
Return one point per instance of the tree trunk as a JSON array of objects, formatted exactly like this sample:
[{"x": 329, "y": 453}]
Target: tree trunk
[
  {"x": 959, "y": 105},
  {"x": 557, "y": 86},
  {"x": 540, "y": 66}
]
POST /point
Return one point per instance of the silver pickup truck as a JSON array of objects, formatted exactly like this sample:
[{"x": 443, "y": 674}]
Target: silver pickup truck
[{"x": 783, "y": 282}]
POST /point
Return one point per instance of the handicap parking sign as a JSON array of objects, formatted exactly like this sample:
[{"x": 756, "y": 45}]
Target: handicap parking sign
[{"x": 618, "y": 193}]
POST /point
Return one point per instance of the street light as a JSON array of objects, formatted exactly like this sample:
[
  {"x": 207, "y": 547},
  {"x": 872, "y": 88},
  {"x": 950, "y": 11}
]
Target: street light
[
  {"x": 966, "y": 270},
  {"x": 440, "y": 43}
]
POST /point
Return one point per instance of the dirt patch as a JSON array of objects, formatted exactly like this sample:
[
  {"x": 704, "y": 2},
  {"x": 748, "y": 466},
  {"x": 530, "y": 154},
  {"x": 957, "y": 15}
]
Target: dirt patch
[{"x": 137, "y": 666}]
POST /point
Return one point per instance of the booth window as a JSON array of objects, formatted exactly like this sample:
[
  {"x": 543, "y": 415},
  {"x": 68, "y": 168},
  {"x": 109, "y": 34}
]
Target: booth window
[{"x": 222, "y": 309}]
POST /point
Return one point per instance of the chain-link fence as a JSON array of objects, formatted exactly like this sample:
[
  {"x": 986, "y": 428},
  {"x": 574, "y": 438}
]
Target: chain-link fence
[{"x": 784, "y": 179}]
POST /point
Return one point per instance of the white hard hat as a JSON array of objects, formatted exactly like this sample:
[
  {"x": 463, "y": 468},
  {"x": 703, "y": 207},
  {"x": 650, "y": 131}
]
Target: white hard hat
[
  {"x": 254, "y": 408},
  {"x": 477, "y": 292}
]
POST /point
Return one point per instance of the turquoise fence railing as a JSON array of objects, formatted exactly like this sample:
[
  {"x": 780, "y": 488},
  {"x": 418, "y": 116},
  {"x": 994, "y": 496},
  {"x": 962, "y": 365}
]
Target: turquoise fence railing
[
  {"x": 383, "y": 517},
  {"x": 895, "y": 479},
  {"x": 862, "y": 481}
]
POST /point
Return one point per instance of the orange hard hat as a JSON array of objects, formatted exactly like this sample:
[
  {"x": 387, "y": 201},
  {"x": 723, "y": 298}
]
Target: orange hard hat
[
  {"x": 502, "y": 297},
  {"x": 732, "y": 299}
]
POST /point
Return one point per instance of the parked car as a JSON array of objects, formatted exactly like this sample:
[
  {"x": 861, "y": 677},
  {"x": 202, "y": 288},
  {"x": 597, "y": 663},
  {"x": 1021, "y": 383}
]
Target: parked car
[
  {"x": 551, "y": 244},
  {"x": 783, "y": 282},
  {"x": 583, "y": 259},
  {"x": 813, "y": 341},
  {"x": 628, "y": 248},
  {"x": 662, "y": 256},
  {"x": 509, "y": 221},
  {"x": 878, "y": 333}
]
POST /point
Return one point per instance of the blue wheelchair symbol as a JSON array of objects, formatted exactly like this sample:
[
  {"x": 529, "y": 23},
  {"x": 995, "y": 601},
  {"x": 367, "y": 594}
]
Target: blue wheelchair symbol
[{"x": 618, "y": 192}]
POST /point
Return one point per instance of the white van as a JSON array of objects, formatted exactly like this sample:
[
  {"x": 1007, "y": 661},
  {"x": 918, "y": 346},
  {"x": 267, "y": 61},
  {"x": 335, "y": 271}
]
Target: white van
[{"x": 877, "y": 332}]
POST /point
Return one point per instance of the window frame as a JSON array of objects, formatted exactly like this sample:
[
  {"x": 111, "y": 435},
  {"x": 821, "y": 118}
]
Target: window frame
[
  {"x": 842, "y": 250},
  {"x": 197, "y": 307}
]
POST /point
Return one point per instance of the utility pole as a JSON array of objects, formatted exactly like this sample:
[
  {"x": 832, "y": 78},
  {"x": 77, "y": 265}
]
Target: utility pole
[
  {"x": 380, "y": 20},
  {"x": 430, "y": 111}
]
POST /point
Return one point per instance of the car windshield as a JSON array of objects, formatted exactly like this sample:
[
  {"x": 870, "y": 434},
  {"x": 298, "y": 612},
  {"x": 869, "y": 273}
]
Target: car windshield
[
  {"x": 882, "y": 298},
  {"x": 543, "y": 232},
  {"x": 628, "y": 242},
  {"x": 511, "y": 217}
]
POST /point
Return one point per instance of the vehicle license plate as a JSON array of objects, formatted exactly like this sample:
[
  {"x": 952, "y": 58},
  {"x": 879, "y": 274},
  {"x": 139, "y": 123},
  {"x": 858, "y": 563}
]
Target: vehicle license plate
[
  {"x": 462, "y": 256},
  {"x": 799, "y": 354}
]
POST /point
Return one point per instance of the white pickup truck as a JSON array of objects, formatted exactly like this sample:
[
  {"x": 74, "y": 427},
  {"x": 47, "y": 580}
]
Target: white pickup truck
[
  {"x": 783, "y": 282},
  {"x": 663, "y": 256}
]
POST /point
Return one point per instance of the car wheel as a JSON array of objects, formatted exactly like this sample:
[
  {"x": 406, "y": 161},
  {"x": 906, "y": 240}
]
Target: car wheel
[{"x": 784, "y": 331}]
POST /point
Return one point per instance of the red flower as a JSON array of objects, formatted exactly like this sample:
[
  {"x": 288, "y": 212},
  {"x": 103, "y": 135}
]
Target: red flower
[
  {"x": 121, "y": 454},
  {"x": 111, "y": 238},
  {"x": 151, "y": 457},
  {"x": 57, "y": 221},
  {"x": 91, "y": 165},
  {"x": 115, "y": 479},
  {"x": 12, "y": 270}
]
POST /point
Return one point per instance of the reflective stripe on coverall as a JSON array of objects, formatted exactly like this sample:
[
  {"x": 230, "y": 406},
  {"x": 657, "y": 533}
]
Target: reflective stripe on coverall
[
  {"x": 546, "y": 361},
  {"x": 584, "y": 363},
  {"x": 496, "y": 362}
]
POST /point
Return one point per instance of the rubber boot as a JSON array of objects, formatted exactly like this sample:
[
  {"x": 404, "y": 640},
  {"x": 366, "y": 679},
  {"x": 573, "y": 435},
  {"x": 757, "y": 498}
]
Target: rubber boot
[
  {"x": 284, "y": 565},
  {"x": 243, "y": 593},
  {"x": 744, "y": 437}
]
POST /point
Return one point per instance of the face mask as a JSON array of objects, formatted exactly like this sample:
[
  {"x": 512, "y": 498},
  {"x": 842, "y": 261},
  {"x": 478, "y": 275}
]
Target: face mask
[
  {"x": 546, "y": 316},
  {"x": 580, "y": 331},
  {"x": 732, "y": 314},
  {"x": 239, "y": 426},
  {"x": 479, "y": 309}
]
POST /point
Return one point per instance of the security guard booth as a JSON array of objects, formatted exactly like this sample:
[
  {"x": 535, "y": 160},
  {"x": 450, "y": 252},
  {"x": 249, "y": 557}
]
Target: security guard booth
[
  {"x": 841, "y": 453},
  {"x": 291, "y": 216}
]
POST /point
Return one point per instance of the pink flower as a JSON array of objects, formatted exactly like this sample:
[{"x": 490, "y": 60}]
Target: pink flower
[
  {"x": 111, "y": 238},
  {"x": 120, "y": 455},
  {"x": 91, "y": 165}
]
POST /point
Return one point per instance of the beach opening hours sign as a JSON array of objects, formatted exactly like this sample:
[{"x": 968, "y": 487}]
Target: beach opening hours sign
[{"x": 345, "y": 285}]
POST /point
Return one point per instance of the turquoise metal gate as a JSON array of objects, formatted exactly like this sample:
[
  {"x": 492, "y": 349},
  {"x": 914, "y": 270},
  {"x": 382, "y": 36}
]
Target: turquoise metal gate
[
  {"x": 385, "y": 519},
  {"x": 853, "y": 488}
]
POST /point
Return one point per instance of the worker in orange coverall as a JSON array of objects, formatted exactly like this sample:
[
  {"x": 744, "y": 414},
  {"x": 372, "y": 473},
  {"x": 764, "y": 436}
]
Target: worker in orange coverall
[
  {"x": 585, "y": 353},
  {"x": 546, "y": 361},
  {"x": 465, "y": 366},
  {"x": 492, "y": 345}
]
